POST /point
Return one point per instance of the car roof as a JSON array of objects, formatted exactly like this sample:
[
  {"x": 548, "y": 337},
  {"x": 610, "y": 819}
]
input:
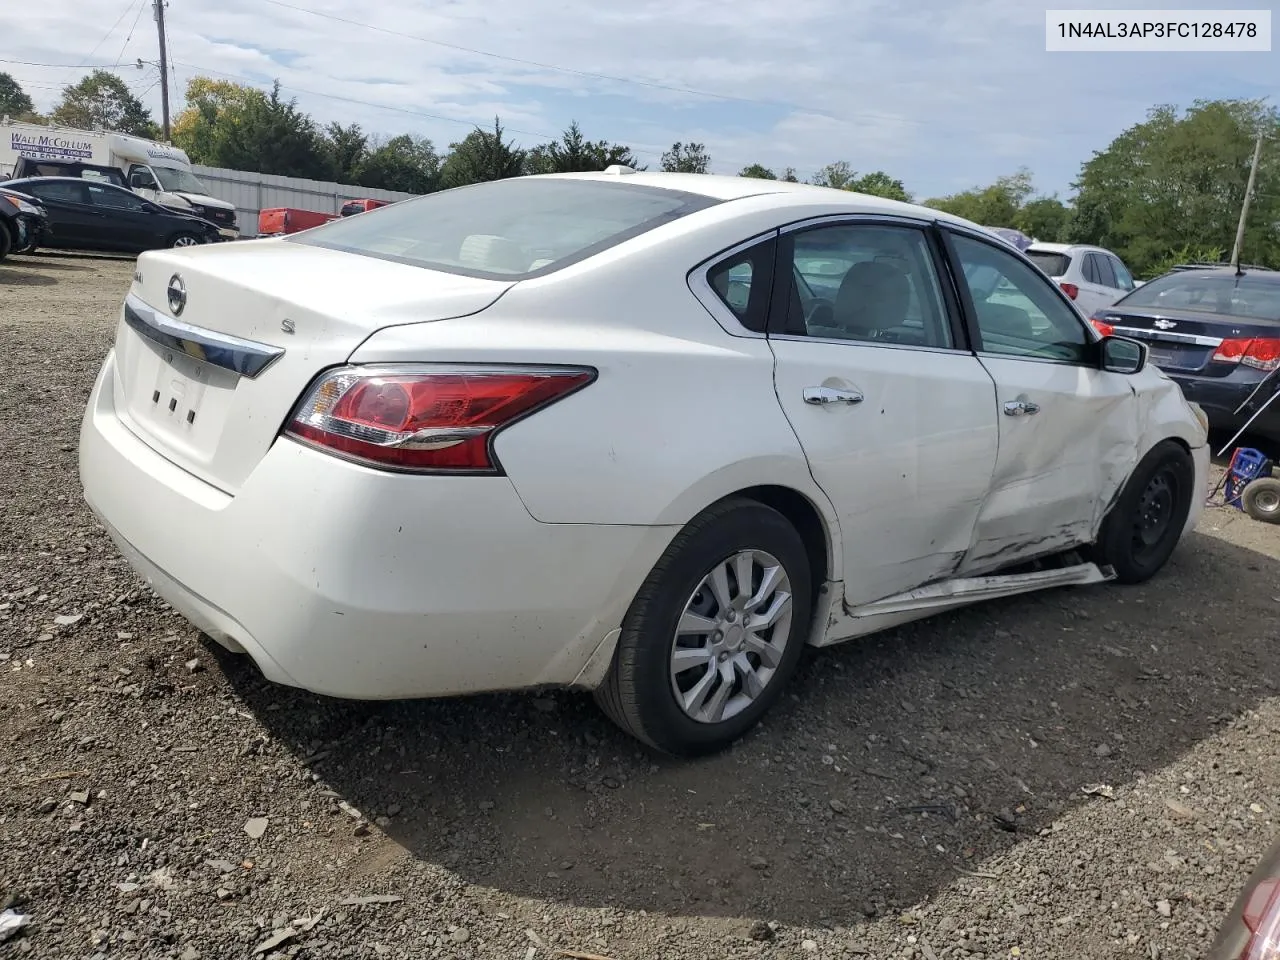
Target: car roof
[
  {"x": 1039, "y": 247},
  {"x": 1257, "y": 273},
  {"x": 722, "y": 187},
  {"x": 96, "y": 183}
]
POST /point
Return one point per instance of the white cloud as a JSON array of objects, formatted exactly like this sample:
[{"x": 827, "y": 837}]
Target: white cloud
[{"x": 941, "y": 94}]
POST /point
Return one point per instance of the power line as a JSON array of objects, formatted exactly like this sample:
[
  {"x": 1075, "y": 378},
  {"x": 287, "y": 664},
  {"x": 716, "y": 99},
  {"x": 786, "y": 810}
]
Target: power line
[
  {"x": 123, "y": 13},
  {"x": 62, "y": 66},
  {"x": 142, "y": 4}
]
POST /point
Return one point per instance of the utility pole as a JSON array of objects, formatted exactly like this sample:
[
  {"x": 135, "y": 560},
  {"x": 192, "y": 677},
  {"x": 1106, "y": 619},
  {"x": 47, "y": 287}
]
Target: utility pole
[
  {"x": 164, "y": 69},
  {"x": 1244, "y": 208}
]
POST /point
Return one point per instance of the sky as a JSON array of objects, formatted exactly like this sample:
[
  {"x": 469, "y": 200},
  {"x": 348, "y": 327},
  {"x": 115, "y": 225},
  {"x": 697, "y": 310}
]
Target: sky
[{"x": 942, "y": 94}]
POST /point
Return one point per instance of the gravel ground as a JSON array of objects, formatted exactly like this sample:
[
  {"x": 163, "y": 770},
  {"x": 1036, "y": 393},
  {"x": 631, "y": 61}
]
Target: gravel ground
[{"x": 922, "y": 794}]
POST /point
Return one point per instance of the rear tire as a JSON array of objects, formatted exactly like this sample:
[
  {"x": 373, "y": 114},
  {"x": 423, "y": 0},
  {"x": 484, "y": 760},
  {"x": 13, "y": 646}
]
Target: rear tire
[
  {"x": 1261, "y": 499},
  {"x": 6, "y": 241},
  {"x": 1145, "y": 523},
  {"x": 686, "y": 690}
]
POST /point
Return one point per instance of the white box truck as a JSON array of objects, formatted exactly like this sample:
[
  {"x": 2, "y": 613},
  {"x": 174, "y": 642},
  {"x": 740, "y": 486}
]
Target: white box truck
[{"x": 158, "y": 171}]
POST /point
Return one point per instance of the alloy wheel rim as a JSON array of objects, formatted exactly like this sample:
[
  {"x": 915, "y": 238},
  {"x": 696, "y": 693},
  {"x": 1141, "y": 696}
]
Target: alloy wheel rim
[{"x": 731, "y": 636}]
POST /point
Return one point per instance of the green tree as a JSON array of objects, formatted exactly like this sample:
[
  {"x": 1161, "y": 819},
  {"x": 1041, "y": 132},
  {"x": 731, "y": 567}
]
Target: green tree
[
  {"x": 1044, "y": 218},
  {"x": 838, "y": 176},
  {"x": 995, "y": 206},
  {"x": 480, "y": 156},
  {"x": 348, "y": 149},
  {"x": 1177, "y": 180},
  {"x": 271, "y": 135},
  {"x": 789, "y": 175},
  {"x": 14, "y": 101},
  {"x": 405, "y": 163},
  {"x": 102, "y": 100},
  {"x": 686, "y": 158},
  {"x": 880, "y": 184},
  {"x": 574, "y": 153},
  {"x": 214, "y": 108},
  {"x": 758, "y": 172}
]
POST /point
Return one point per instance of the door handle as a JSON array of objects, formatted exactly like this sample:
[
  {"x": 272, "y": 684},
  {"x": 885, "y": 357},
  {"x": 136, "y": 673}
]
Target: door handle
[
  {"x": 824, "y": 395},
  {"x": 1021, "y": 408}
]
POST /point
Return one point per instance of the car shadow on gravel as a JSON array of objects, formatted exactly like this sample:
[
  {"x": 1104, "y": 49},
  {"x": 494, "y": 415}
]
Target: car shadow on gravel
[
  {"x": 12, "y": 275},
  {"x": 897, "y": 763},
  {"x": 55, "y": 261}
]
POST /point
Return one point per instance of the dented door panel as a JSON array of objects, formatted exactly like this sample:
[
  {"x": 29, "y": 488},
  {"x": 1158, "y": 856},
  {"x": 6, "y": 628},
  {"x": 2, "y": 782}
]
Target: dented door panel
[{"x": 1058, "y": 468}]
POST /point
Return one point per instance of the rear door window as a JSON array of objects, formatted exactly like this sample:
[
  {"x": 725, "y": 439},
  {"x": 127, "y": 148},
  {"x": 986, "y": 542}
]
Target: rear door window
[
  {"x": 1103, "y": 267},
  {"x": 63, "y": 190}
]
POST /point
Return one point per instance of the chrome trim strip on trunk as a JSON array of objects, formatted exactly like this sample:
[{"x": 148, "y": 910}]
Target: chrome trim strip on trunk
[
  {"x": 245, "y": 357},
  {"x": 1142, "y": 333}
]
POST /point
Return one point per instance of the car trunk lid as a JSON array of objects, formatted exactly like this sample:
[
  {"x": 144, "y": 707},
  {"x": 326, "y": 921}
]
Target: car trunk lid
[
  {"x": 1184, "y": 341},
  {"x": 209, "y": 386}
]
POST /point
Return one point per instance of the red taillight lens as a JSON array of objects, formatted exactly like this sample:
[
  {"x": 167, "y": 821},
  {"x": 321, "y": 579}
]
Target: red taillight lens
[
  {"x": 1104, "y": 328},
  {"x": 1262, "y": 917},
  {"x": 426, "y": 417},
  {"x": 1261, "y": 353},
  {"x": 1070, "y": 289}
]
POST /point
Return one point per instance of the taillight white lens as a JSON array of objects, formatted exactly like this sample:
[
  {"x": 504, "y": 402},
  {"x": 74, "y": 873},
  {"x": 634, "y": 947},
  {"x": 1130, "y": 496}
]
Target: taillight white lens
[{"x": 426, "y": 417}]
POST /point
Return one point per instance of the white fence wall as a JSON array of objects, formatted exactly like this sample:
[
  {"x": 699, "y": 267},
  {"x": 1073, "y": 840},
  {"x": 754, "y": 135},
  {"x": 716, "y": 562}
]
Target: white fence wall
[{"x": 254, "y": 192}]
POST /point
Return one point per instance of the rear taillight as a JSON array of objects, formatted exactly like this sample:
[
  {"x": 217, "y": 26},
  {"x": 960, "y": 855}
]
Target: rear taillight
[
  {"x": 1262, "y": 917},
  {"x": 1070, "y": 289},
  {"x": 1104, "y": 328},
  {"x": 1261, "y": 353},
  {"x": 426, "y": 417}
]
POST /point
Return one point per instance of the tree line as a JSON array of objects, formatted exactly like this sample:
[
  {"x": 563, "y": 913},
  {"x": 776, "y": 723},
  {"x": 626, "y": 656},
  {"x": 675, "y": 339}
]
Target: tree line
[{"x": 1167, "y": 189}]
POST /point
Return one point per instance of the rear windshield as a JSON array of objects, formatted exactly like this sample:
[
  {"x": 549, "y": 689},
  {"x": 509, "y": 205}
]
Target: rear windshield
[
  {"x": 507, "y": 229},
  {"x": 1251, "y": 298},
  {"x": 1053, "y": 264}
]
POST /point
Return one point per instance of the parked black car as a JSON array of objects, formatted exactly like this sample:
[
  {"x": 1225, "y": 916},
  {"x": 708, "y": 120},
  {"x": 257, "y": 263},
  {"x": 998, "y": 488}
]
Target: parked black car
[
  {"x": 23, "y": 223},
  {"x": 84, "y": 215},
  {"x": 27, "y": 168},
  {"x": 1216, "y": 332}
]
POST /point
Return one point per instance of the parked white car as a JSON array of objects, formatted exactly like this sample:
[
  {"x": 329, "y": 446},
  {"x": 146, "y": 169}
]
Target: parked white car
[
  {"x": 1091, "y": 276},
  {"x": 644, "y": 434}
]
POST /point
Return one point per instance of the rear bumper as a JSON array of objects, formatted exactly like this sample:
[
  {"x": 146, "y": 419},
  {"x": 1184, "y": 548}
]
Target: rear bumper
[{"x": 356, "y": 583}]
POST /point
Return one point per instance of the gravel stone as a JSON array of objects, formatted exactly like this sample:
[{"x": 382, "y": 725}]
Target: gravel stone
[{"x": 981, "y": 725}]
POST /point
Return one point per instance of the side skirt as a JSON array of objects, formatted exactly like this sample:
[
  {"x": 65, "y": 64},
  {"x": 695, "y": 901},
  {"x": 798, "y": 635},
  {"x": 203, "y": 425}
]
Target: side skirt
[{"x": 950, "y": 595}]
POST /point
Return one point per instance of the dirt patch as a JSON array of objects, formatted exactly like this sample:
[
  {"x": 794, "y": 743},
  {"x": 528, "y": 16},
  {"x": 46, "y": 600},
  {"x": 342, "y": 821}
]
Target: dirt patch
[{"x": 920, "y": 794}]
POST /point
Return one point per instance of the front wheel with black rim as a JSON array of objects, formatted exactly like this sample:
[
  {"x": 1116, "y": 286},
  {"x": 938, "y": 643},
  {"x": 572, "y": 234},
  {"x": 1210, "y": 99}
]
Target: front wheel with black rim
[
  {"x": 715, "y": 632},
  {"x": 1144, "y": 525},
  {"x": 1261, "y": 499}
]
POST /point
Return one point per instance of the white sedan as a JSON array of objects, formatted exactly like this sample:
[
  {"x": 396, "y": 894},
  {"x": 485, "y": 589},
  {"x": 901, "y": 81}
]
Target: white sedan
[{"x": 638, "y": 433}]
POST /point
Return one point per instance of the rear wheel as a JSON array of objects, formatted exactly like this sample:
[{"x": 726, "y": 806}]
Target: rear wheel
[
  {"x": 715, "y": 632},
  {"x": 1145, "y": 524},
  {"x": 6, "y": 241},
  {"x": 1261, "y": 499},
  {"x": 185, "y": 240}
]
